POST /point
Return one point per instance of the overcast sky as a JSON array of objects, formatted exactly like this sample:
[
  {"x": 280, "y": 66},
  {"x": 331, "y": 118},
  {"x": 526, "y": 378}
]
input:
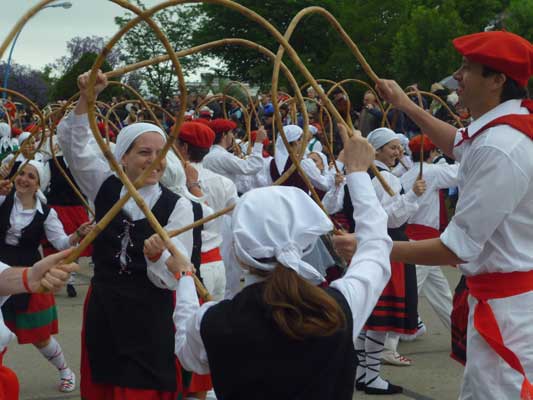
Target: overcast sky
[{"x": 44, "y": 37}]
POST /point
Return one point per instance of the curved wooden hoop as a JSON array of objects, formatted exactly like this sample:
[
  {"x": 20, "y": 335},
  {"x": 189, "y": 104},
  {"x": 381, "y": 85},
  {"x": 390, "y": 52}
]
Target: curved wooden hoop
[
  {"x": 248, "y": 95},
  {"x": 292, "y": 54}
]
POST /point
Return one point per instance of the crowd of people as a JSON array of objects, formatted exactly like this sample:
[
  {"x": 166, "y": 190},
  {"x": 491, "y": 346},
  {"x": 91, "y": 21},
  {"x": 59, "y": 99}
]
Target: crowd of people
[{"x": 314, "y": 274}]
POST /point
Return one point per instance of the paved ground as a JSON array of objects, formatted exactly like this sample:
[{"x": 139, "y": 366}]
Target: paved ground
[{"x": 433, "y": 374}]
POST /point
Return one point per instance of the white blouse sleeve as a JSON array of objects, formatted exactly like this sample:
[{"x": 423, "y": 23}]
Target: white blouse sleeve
[
  {"x": 333, "y": 199},
  {"x": 369, "y": 269},
  {"x": 318, "y": 180},
  {"x": 87, "y": 167},
  {"x": 54, "y": 231}
]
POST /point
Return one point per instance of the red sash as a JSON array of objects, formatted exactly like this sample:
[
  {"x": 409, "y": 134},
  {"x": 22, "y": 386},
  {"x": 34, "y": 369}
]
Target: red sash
[
  {"x": 522, "y": 123},
  {"x": 421, "y": 232},
  {"x": 210, "y": 256},
  {"x": 496, "y": 286}
]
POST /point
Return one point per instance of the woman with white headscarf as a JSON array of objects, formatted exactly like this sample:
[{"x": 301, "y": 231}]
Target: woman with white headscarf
[
  {"x": 281, "y": 336},
  {"x": 7, "y": 143},
  {"x": 25, "y": 220},
  {"x": 128, "y": 332},
  {"x": 401, "y": 317}
]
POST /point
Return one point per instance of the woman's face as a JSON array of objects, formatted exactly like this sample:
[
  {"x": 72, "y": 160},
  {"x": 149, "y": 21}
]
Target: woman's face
[
  {"x": 318, "y": 161},
  {"x": 27, "y": 181},
  {"x": 143, "y": 151},
  {"x": 28, "y": 147},
  {"x": 388, "y": 153}
]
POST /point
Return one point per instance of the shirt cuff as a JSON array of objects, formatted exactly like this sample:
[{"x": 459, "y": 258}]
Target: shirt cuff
[
  {"x": 258, "y": 148},
  {"x": 78, "y": 119},
  {"x": 460, "y": 243},
  {"x": 411, "y": 197}
]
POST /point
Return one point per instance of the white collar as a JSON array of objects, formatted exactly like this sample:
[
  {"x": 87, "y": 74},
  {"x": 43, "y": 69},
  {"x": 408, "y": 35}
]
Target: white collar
[
  {"x": 505, "y": 108},
  {"x": 382, "y": 165},
  {"x": 20, "y": 207}
]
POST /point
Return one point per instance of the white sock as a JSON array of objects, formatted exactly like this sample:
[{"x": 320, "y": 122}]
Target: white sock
[
  {"x": 361, "y": 357},
  {"x": 373, "y": 348},
  {"x": 72, "y": 278},
  {"x": 391, "y": 342},
  {"x": 53, "y": 353}
]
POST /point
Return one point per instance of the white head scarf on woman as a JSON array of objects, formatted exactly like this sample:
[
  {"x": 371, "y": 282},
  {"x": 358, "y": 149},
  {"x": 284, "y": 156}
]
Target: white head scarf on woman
[
  {"x": 44, "y": 178},
  {"x": 293, "y": 133},
  {"x": 128, "y": 135},
  {"x": 380, "y": 137},
  {"x": 22, "y": 137},
  {"x": 324, "y": 160},
  {"x": 280, "y": 223},
  {"x": 7, "y": 143}
]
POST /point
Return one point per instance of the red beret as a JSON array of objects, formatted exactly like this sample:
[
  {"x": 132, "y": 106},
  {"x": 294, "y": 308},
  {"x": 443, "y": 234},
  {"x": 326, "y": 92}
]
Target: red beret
[
  {"x": 221, "y": 125},
  {"x": 415, "y": 142},
  {"x": 502, "y": 51},
  {"x": 201, "y": 121},
  {"x": 199, "y": 135}
]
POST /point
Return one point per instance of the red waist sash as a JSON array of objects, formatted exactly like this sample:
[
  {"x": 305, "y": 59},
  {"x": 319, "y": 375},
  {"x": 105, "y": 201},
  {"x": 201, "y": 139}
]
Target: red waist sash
[
  {"x": 421, "y": 232},
  {"x": 497, "y": 286},
  {"x": 210, "y": 256}
]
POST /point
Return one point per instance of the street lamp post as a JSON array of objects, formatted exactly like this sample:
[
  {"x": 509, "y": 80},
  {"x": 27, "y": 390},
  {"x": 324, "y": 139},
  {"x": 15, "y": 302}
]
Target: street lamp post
[{"x": 65, "y": 5}]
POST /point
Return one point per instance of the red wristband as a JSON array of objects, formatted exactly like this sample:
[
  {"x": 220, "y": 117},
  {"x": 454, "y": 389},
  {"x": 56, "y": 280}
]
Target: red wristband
[
  {"x": 179, "y": 275},
  {"x": 25, "y": 280},
  {"x": 155, "y": 258}
]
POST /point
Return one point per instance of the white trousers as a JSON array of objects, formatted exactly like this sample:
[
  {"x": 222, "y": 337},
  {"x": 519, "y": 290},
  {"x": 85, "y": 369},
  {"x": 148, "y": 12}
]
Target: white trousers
[
  {"x": 487, "y": 376},
  {"x": 433, "y": 284},
  {"x": 214, "y": 278}
]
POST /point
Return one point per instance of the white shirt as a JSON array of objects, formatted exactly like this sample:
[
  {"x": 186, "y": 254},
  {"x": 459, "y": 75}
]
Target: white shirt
[
  {"x": 437, "y": 176},
  {"x": 90, "y": 171},
  {"x": 493, "y": 224},
  {"x": 219, "y": 191},
  {"x": 399, "y": 170},
  {"x": 222, "y": 162},
  {"x": 398, "y": 207},
  {"x": 20, "y": 218},
  {"x": 5, "y": 334},
  {"x": 361, "y": 286}
]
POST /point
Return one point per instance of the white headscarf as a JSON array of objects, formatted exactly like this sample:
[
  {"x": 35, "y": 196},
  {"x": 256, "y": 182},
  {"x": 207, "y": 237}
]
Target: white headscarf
[
  {"x": 404, "y": 140},
  {"x": 22, "y": 137},
  {"x": 324, "y": 160},
  {"x": 128, "y": 135},
  {"x": 277, "y": 222},
  {"x": 44, "y": 178},
  {"x": 293, "y": 133},
  {"x": 6, "y": 142},
  {"x": 380, "y": 137}
]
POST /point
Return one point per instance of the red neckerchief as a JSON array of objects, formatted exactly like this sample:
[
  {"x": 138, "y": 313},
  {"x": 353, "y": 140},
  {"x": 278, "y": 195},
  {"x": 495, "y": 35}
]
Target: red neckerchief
[{"x": 520, "y": 122}]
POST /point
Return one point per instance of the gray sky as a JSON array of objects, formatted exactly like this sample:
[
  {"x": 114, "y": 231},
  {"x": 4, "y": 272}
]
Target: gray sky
[{"x": 44, "y": 37}]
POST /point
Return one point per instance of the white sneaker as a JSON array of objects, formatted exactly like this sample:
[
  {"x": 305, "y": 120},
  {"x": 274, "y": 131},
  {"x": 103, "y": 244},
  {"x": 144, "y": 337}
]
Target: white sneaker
[
  {"x": 420, "y": 332},
  {"x": 394, "y": 358},
  {"x": 68, "y": 384}
]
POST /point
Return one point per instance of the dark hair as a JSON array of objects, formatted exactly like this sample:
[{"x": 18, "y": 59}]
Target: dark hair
[
  {"x": 218, "y": 137},
  {"x": 196, "y": 154},
  {"x": 511, "y": 89},
  {"x": 300, "y": 309}
]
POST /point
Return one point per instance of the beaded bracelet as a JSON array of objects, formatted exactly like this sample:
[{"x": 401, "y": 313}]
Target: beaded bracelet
[{"x": 179, "y": 275}]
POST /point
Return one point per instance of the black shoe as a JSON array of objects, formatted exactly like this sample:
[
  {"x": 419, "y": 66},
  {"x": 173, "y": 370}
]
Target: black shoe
[
  {"x": 71, "y": 291},
  {"x": 360, "y": 383},
  {"x": 392, "y": 389}
]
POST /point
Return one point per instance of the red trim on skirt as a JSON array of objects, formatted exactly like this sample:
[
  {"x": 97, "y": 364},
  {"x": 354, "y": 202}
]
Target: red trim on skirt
[
  {"x": 38, "y": 302},
  {"x": 71, "y": 217},
  {"x": 396, "y": 309},
  {"x": 94, "y": 391},
  {"x": 9, "y": 383}
]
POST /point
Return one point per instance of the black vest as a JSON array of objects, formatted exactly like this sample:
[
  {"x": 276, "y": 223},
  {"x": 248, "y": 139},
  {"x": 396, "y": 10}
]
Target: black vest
[
  {"x": 294, "y": 180},
  {"x": 15, "y": 168},
  {"x": 129, "y": 330},
  {"x": 249, "y": 354},
  {"x": 61, "y": 193},
  {"x": 26, "y": 252},
  {"x": 347, "y": 209}
]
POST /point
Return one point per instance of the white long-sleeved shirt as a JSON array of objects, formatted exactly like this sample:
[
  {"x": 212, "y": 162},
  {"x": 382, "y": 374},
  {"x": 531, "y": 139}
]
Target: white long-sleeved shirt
[
  {"x": 362, "y": 285},
  {"x": 222, "y": 162},
  {"x": 493, "y": 223},
  {"x": 6, "y": 335},
  {"x": 398, "y": 207},
  {"x": 21, "y": 218},
  {"x": 437, "y": 176},
  {"x": 90, "y": 171}
]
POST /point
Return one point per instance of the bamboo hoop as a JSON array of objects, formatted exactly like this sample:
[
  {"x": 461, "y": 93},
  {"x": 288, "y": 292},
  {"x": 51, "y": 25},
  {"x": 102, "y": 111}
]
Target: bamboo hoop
[
  {"x": 292, "y": 54},
  {"x": 248, "y": 95},
  {"x": 421, "y": 105}
]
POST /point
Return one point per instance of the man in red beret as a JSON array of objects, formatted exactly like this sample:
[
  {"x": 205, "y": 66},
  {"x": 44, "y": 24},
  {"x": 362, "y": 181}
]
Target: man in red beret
[
  {"x": 212, "y": 190},
  {"x": 425, "y": 223},
  {"x": 489, "y": 237},
  {"x": 220, "y": 160}
]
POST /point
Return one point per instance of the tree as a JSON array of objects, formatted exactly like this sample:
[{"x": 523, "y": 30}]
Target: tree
[
  {"x": 518, "y": 20},
  {"x": 66, "y": 86},
  {"x": 77, "y": 47},
  {"x": 27, "y": 81},
  {"x": 141, "y": 43}
]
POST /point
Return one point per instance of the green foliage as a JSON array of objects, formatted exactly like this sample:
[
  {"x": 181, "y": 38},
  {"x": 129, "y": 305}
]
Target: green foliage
[
  {"x": 141, "y": 43},
  {"x": 66, "y": 86},
  {"x": 519, "y": 20}
]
